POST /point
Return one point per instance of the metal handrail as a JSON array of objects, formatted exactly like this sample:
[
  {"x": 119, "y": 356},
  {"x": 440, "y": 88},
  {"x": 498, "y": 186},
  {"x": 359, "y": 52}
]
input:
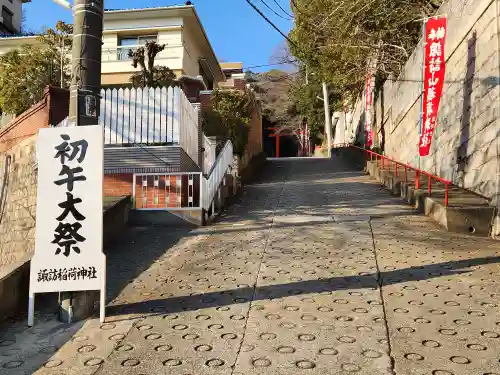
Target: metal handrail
[
  {"x": 216, "y": 175},
  {"x": 418, "y": 172}
]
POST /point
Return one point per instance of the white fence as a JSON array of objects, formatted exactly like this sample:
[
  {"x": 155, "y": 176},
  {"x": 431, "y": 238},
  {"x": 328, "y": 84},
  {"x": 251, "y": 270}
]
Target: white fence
[
  {"x": 189, "y": 127},
  {"x": 216, "y": 175},
  {"x": 151, "y": 116},
  {"x": 144, "y": 116}
]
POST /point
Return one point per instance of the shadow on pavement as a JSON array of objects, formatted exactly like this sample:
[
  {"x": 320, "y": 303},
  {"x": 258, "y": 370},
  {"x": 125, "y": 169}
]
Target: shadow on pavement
[
  {"x": 134, "y": 253},
  {"x": 242, "y": 295}
]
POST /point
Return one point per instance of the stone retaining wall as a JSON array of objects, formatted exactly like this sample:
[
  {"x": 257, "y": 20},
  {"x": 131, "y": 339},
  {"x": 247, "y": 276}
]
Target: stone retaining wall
[{"x": 466, "y": 143}]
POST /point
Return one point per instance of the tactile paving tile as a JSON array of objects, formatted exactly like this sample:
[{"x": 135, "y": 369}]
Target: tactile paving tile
[
  {"x": 280, "y": 287},
  {"x": 441, "y": 294}
]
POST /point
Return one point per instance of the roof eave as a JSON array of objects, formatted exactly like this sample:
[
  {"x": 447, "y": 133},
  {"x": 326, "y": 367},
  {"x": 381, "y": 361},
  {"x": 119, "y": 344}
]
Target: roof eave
[{"x": 221, "y": 77}]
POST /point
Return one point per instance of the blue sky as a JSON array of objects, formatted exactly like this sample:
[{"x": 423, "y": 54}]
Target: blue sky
[{"x": 236, "y": 31}]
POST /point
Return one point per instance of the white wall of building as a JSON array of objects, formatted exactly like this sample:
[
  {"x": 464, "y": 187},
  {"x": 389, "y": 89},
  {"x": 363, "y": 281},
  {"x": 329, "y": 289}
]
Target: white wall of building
[
  {"x": 140, "y": 23},
  {"x": 15, "y": 6}
]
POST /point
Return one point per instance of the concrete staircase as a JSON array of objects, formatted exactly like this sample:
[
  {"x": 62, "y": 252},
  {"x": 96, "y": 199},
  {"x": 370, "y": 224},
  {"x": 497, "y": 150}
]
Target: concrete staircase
[{"x": 466, "y": 212}]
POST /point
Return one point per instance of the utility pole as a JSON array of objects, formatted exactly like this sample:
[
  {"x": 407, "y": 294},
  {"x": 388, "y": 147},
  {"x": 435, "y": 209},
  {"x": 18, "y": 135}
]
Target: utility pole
[
  {"x": 328, "y": 126},
  {"x": 86, "y": 62},
  {"x": 84, "y": 107}
]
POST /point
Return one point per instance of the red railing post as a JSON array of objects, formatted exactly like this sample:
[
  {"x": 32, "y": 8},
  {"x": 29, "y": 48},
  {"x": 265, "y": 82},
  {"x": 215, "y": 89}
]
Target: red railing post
[
  {"x": 382, "y": 162},
  {"x": 371, "y": 156},
  {"x": 396, "y": 169},
  {"x": 406, "y": 173},
  {"x": 446, "y": 194},
  {"x": 429, "y": 185},
  {"x": 417, "y": 180}
]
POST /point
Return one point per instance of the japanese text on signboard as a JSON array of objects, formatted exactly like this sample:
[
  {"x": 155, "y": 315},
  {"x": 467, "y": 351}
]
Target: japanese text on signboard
[
  {"x": 434, "y": 71},
  {"x": 66, "y": 236}
]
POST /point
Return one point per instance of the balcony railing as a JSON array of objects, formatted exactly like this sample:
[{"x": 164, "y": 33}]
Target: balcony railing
[
  {"x": 120, "y": 53},
  {"x": 117, "y": 54}
]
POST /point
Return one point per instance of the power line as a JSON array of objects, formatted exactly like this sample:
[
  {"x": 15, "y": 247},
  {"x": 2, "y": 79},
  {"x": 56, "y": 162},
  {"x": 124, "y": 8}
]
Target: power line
[
  {"x": 272, "y": 24},
  {"x": 266, "y": 65},
  {"x": 272, "y": 10},
  {"x": 283, "y": 10}
]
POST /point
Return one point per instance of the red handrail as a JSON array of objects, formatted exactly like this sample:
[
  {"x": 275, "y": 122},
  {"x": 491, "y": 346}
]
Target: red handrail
[{"x": 406, "y": 167}]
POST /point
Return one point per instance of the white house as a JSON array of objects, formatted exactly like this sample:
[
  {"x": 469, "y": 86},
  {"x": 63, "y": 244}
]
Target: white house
[
  {"x": 11, "y": 16},
  {"x": 188, "y": 50}
]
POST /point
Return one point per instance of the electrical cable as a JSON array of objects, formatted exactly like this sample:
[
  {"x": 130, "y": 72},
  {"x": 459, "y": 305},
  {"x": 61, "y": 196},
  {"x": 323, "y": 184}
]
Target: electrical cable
[
  {"x": 272, "y": 10},
  {"x": 266, "y": 65},
  {"x": 283, "y": 10},
  {"x": 272, "y": 24}
]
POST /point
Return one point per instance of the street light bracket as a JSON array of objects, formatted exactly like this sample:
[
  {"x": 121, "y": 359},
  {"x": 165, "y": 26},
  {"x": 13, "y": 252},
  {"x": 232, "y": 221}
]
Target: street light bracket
[{"x": 63, "y": 3}]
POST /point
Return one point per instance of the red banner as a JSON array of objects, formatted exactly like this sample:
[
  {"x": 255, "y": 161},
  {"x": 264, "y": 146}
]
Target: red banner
[
  {"x": 434, "y": 69},
  {"x": 368, "y": 107}
]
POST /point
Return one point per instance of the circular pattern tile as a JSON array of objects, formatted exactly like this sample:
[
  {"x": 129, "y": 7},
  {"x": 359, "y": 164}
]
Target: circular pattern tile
[
  {"x": 93, "y": 362},
  {"x": 350, "y": 367},
  {"x": 414, "y": 357},
  {"x": 285, "y": 349},
  {"x": 477, "y": 347},
  {"x": 267, "y": 336},
  {"x": 261, "y": 362},
  {"x": 203, "y": 348},
  {"x": 163, "y": 348},
  {"x": 124, "y": 348},
  {"x": 346, "y": 339},
  {"x": 215, "y": 362},
  {"x": 305, "y": 364},
  {"x": 328, "y": 351},
  {"x": 131, "y": 362},
  {"x": 172, "y": 362},
  {"x": 153, "y": 336},
  {"x": 306, "y": 337},
  {"x": 460, "y": 360},
  {"x": 86, "y": 348},
  {"x": 53, "y": 363},
  {"x": 431, "y": 344},
  {"x": 490, "y": 334}
]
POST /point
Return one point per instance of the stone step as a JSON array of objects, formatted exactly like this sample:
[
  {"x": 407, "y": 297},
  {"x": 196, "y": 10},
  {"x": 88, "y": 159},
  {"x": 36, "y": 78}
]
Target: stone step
[{"x": 466, "y": 212}]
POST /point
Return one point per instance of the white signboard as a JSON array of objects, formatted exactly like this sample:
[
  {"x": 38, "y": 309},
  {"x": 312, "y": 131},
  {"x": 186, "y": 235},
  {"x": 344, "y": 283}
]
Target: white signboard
[{"x": 68, "y": 243}]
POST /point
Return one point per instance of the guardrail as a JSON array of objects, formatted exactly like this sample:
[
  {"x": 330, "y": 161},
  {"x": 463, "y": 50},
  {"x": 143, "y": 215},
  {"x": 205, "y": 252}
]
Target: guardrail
[{"x": 399, "y": 167}]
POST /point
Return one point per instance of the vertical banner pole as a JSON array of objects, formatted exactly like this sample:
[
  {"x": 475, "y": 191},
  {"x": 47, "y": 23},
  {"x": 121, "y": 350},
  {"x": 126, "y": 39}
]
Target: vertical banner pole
[{"x": 421, "y": 90}]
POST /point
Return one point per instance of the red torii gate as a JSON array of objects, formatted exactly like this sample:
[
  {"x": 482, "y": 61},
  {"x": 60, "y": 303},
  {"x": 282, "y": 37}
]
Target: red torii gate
[{"x": 277, "y": 135}]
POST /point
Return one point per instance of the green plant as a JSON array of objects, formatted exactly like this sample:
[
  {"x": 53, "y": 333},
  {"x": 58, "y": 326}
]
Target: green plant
[
  {"x": 24, "y": 73},
  {"x": 150, "y": 75},
  {"x": 340, "y": 40},
  {"x": 60, "y": 42},
  {"x": 231, "y": 113}
]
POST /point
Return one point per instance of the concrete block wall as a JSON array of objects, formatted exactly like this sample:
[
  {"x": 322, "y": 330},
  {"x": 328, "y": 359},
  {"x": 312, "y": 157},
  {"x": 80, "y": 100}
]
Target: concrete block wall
[
  {"x": 466, "y": 143},
  {"x": 17, "y": 203},
  {"x": 18, "y": 178}
]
